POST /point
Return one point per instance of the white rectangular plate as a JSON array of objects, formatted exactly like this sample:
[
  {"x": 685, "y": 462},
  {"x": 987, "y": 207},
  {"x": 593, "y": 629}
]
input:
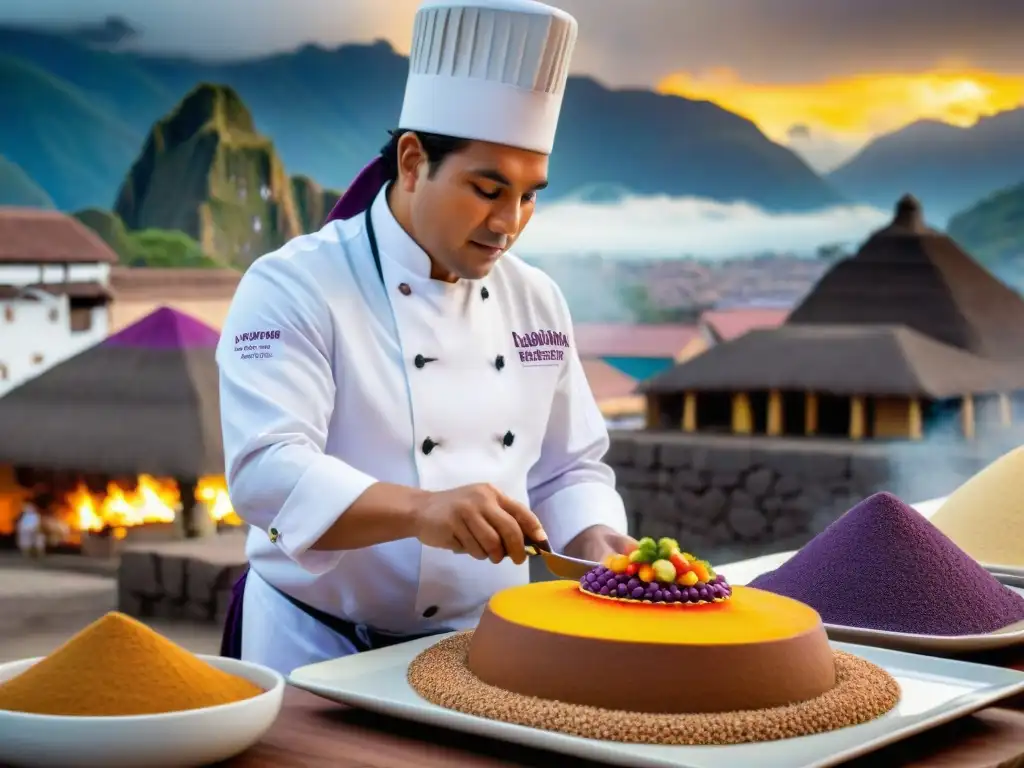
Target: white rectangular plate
[
  {"x": 1009, "y": 579},
  {"x": 902, "y": 641},
  {"x": 935, "y": 691},
  {"x": 1005, "y": 570}
]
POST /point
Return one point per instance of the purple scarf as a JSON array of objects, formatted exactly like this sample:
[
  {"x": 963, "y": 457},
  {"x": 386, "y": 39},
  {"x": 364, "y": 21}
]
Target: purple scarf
[{"x": 361, "y": 192}]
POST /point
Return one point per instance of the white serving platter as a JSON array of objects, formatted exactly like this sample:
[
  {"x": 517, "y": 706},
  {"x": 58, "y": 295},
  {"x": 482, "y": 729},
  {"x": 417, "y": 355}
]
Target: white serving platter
[
  {"x": 935, "y": 691},
  {"x": 1009, "y": 579},
  {"x": 748, "y": 570},
  {"x": 186, "y": 739},
  {"x": 942, "y": 644},
  {"x": 1005, "y": 570}
]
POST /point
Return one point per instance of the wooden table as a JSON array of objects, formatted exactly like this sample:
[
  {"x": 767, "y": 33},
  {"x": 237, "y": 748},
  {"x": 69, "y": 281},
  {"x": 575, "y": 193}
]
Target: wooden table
[{"x": 315, "y": 733}]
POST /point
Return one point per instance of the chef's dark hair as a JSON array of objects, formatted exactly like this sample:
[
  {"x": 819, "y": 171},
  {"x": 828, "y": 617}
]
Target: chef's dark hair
[{"x": 436, "y": 146}]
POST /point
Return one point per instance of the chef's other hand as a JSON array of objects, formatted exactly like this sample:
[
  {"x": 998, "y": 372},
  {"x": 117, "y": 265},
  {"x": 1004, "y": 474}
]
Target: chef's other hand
[{"x": 478, "y": 520}]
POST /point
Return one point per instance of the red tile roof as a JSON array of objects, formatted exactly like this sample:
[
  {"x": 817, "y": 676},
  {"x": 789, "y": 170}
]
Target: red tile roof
[
  {"x": 606, "y": 381},
  {"x": 607, "y": 340},
  {"x": 729, "y": 324},
  {"x": 35, "y": 236}
]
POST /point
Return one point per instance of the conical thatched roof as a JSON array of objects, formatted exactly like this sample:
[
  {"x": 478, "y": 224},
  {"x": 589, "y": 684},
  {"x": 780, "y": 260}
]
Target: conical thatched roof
[
  {"x": 144, "y": 400},
  {"x": 839, "y": 360},
  {"x": 908, "y": 274},
  {"x": 911, "y": 314}
]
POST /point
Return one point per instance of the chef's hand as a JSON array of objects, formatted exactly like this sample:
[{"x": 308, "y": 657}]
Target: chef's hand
[
  {"x": 598, "y": 541},
  {"x": 478, "y": 520}
]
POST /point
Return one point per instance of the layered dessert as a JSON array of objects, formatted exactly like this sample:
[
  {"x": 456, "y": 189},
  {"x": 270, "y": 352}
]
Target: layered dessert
[{"x": 654, "y": 647}]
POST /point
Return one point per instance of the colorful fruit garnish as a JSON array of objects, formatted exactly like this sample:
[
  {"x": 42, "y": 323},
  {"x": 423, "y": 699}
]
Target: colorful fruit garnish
[
  {"x": 618, "y": 563},
  {"x": 646, "y": 550},
  {"x": 637, "y": 556},
  {"x": 667, "y": 547},
  {"x": 680, "y": 563},
  {"x": 605, "y": 583},
  {"x": 663, "y": 571},
  {"x": 656, "y": 572},
  {"x": 701, "y": 571},
  {"x": 688, "y": 579}
]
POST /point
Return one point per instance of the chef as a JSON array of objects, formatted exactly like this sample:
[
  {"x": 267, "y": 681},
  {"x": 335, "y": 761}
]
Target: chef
[{"x": 402, "y": 402}]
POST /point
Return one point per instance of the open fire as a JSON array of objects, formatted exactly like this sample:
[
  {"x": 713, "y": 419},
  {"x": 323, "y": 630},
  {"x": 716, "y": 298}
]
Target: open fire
[{"x": 152, "y": 500}]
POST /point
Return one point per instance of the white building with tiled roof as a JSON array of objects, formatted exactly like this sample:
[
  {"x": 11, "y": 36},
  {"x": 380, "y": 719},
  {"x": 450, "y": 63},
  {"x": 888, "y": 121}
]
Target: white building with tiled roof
[{"x": 54, "y": 291}]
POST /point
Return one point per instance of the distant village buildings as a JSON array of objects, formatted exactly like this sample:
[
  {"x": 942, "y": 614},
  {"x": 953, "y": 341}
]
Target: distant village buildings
[
  {"x": 54, "y": 291},
  {"x": 616, "y": 358},
  {"x": 908, "y": 337}
]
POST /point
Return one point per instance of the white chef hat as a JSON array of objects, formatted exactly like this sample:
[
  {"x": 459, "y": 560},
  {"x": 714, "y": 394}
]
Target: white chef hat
[{"x": 489, "y": 70}]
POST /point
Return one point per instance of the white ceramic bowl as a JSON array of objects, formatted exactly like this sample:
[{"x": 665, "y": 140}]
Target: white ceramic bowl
[{"x": 174, "y": 740}]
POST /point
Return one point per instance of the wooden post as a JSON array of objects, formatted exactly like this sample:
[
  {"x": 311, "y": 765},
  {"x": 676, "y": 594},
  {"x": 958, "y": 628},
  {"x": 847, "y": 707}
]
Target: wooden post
[
  {"x": 967, "y": 416},
  {"x": 651, "y": 415},
  {"x": 810, "y": 414},
  {"x": 857, "y": 417},
  {"x": 690, "y": 412},
  {"x": 1005, "y": 410},
  {"x": 742, "y": 417},
  {"x": 192, "y": 525},
  {"x": 915, "y": 421},
  {"x": 774, "y": 413}
]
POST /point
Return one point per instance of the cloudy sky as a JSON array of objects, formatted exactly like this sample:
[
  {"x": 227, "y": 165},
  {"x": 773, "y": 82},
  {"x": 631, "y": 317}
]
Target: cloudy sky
[{"x": 820, "y": 75}]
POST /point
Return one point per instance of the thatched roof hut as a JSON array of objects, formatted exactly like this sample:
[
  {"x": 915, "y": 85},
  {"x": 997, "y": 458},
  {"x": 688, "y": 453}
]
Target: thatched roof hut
[
  {"x": 144, "y": 400},
  {"x": 888, "y": 339},
  {"x": 839, "y": 360},
  {"x": 908, "y": 274}
]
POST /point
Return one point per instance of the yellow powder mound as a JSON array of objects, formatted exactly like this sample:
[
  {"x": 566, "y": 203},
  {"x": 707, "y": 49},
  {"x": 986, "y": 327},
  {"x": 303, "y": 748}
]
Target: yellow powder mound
[
  {"x": 985, "y": 516},
  {"x": 119, "y": 666}
]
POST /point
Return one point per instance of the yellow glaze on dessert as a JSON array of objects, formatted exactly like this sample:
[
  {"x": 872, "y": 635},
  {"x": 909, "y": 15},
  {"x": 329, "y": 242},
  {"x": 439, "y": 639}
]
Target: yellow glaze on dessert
[{"x": 749, "y": 616}]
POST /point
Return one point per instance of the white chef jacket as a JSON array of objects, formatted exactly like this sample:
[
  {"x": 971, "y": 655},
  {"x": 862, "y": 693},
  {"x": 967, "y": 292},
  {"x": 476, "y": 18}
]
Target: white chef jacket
[{"x": 332, "y": 379}]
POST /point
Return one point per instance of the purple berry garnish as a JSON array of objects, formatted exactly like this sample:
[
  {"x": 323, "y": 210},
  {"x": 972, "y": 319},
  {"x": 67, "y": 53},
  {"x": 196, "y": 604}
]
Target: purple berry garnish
[{"x": 638, "y": 592}]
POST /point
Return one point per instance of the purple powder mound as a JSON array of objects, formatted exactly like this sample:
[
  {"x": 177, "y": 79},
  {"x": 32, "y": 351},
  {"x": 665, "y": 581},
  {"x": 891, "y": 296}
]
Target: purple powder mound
[
  {"x": 884, "y": 566},
  {"x": 165, "y": 328}
]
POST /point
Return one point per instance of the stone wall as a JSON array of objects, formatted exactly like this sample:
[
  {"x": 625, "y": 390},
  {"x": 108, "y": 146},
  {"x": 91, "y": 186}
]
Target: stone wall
[
  {"x": 725, "y": 498},
  {"x": 181, "y": 580},
  {"x": 728, "y": 497}
]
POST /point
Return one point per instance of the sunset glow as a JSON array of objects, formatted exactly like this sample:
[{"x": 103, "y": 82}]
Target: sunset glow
[{"x": 856, "y": 107}]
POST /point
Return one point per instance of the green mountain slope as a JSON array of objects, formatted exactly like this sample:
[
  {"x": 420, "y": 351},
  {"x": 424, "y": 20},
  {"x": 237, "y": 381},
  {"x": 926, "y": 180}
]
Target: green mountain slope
[
  {"x": 205, "y": 171},
  {"x": 71, "y": 148},
  {"x": 993, "y": 229},
  {"x": 312, "y": 202},
  {"x": 147, "y": 248},
  {"x": 17, "y": 189}
]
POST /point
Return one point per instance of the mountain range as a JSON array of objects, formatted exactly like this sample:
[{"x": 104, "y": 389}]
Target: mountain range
[
  {"x": 993, "y": 229},
  {"x": 946, "y": 167},
  {"x": 85, "y": 114}
]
